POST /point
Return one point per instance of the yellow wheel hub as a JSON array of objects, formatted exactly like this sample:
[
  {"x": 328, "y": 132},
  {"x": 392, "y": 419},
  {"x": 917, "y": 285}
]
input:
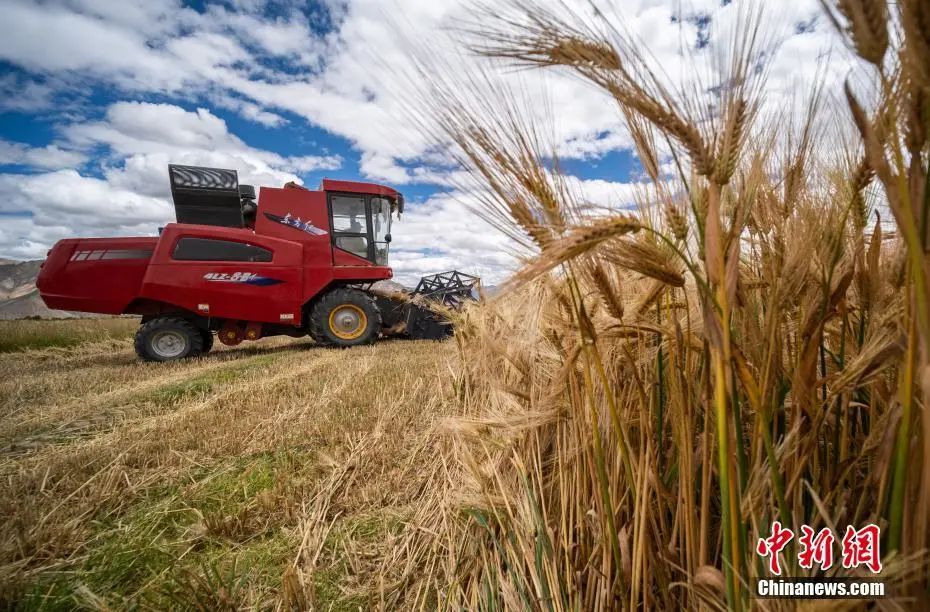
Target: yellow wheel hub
[{"x": 348, "y": 321}]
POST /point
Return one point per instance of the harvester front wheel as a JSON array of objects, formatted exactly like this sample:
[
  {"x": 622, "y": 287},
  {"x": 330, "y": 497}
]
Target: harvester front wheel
[
  {"x": 168, "y": 339},
  {"x": 345, "y": 317}
]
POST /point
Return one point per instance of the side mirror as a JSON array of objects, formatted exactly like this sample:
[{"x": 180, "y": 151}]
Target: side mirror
[
  {"x": 387, "y": 238},
  {"x": 400, "y": 204}
]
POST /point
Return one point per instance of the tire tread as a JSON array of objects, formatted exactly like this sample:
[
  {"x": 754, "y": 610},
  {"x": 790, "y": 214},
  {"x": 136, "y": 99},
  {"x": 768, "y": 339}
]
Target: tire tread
[
  {"x": 319, "y": 315},
  {"x": 193, "y": 333}
]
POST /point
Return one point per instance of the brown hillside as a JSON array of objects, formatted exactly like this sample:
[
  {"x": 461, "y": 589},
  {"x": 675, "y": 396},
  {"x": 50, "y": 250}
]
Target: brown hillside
[{"x": 19, "y": 297}]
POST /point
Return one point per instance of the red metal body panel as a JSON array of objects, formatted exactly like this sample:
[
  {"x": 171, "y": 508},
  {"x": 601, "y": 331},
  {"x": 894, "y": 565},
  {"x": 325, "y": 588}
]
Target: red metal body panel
[
  {"x": 226, "y": 289},
  {"x": 356, "y": 187},
  {"x": 304, "y": 263},
  {"x": 309, "y": 206},
  {"x": 78, "y": 275}
]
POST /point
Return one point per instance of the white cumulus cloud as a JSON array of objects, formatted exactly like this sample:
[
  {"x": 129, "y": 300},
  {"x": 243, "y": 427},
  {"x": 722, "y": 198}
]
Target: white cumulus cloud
[
  {"x": 137, "y": 141},
  {"x": 50, "y": 156},
  {"x": 345, "y": 67}
]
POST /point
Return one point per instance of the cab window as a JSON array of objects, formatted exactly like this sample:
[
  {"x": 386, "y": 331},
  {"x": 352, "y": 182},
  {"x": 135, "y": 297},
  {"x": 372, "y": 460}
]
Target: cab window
[
  {"x": 349, "y": 215},
  {"x": 381, "y": 228},
  {"x": 208, "y": 249},
  {"x": 350, "y": 224},
  {"x": 357, "y": 245}
]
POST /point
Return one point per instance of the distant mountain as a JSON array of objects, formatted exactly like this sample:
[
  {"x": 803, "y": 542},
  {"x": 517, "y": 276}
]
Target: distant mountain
[
  {"x": 388, "y": 286},
  {"x": 19, "y": 297}
]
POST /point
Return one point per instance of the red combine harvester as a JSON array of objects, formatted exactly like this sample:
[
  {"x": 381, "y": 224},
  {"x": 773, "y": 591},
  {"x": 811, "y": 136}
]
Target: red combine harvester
[{"x": 296, "y": 262}]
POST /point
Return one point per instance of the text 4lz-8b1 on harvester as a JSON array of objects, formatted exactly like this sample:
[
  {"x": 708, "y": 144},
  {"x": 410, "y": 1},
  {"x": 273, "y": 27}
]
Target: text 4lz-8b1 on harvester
[{"x": 296, "y": 262}]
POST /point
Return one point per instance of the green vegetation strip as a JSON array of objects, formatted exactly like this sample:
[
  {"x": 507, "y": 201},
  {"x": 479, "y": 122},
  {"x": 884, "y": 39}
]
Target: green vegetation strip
[
  {"x": 200, "y": 545},
  {"x": 219, "y": 538},
  {"x": 205, "y": 383},
  {"x": 28, "y": 334}
]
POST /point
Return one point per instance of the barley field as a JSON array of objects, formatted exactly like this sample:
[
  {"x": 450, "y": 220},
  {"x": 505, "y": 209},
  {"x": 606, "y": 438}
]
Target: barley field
[
  {"x": 747, "y": 344},
  {"x": 267, "y": 476},
  {"x": 618, "y": 429}
]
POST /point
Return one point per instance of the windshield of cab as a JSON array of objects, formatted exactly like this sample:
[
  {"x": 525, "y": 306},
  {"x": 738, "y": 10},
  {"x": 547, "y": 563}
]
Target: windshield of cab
[{"x": 381, "y": 227}]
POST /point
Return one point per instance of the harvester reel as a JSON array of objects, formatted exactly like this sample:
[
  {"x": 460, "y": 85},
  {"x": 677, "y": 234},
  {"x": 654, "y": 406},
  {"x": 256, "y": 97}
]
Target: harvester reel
[
  {"x": 449, "y": 288},
  {"x": 418, "y": 314}
]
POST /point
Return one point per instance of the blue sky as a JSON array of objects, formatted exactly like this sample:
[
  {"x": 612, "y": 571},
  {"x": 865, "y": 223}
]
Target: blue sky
[{"x": 97, "y": 97}]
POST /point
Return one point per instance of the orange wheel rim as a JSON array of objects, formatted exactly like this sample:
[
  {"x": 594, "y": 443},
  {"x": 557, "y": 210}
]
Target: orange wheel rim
[{"x": 348, "y": 322}]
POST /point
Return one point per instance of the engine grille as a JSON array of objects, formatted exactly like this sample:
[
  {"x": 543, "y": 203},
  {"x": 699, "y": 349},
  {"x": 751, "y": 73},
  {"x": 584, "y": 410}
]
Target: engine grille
[{"x": 194, "y": 177}]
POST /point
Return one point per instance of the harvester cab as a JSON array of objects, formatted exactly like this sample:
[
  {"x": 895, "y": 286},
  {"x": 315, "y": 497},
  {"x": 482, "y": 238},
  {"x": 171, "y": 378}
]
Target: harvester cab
[
  {"x": 359, "y": 214},
  {"x": 247, "y": 265}
]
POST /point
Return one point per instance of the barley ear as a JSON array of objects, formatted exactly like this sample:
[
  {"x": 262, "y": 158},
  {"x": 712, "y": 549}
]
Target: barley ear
[
  {"x": 874, "y": 150},
  {"x": 730, "y": 143},
  {"x": 866, "y": 26},
  {"x": 861, "y": 179},
  {"x": 676, "y": 221}
]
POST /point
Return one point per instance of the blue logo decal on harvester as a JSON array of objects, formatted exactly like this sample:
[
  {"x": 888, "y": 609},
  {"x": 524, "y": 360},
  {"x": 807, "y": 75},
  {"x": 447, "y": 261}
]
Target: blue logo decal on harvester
[
  {"x": 296, "y": 223},
  {"x": 243, "y": 278}
]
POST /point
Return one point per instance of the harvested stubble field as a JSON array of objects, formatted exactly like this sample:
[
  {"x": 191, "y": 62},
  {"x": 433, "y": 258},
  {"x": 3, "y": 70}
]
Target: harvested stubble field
[{"x": 260, "y": 476}]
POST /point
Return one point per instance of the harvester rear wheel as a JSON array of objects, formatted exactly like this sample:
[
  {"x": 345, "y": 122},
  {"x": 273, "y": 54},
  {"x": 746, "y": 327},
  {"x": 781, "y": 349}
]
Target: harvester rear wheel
[
  {"x": 345, "y": 317},
  {"x": 168, "y": 339}
]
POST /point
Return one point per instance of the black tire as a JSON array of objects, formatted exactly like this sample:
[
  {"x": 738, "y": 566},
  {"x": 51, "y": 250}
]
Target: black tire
[
  {"x": 331, "y": 318},
  {"x": 207, "y": 336},
  {"x": 168, "y": 339}
]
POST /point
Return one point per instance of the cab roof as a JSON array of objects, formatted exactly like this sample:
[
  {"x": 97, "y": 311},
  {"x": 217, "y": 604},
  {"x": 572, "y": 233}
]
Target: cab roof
[{"x": 358, "y": 187}]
